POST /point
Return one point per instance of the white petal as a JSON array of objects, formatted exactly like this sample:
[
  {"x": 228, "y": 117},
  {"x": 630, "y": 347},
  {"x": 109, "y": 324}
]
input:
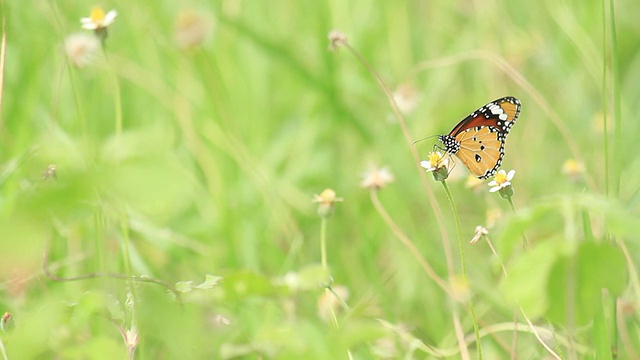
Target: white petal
[
  {"x": 510, "y": 175},
  {"x": 505, "y": 184},
  {"x": 493, "y": 183},
  {"x": 494, "y": 189},
  {"x": 111, "y": 15},
  {"x": 425, "y": 164},
  {"x": 89, "y": 26}
]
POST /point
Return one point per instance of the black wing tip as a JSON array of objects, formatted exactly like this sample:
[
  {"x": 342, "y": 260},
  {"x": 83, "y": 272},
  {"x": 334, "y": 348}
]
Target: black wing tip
[{"x": 511, "y": 99}]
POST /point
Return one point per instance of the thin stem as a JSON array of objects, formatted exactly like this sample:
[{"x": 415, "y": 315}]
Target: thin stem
[
  {"x": 514, "y": 341},
  {"x": 323, "y": 244},
  {"x": 79, "y": 108},
  {"x": 462, "y": 345},
  {"x": 463, "y": 264},
  {"x": 617, "y": 146},
  {"x": 2, "y": 350},
  {"x": 476, "y": 329},
  {"x": 493, "y": 250},
  {"x": 617, "y": 116},
  {"x": 446, "y": 245},
  {"x": 117, "y": 96},
  {"x": 3, "y": 53},
  {"x": 343, "y": 303},
  {"x": 525, "y": 241},
  {"x": 408, "y": 243},
  {"x": 328, "y": 288},
  {"x": 537, "y": 335},
  {"x": 53, "y": 277},
  {"x": 605, "y": 132}
]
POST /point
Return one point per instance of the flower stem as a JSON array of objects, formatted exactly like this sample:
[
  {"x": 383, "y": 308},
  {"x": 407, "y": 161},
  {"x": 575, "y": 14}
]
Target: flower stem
[
  {"x": 458, "y": 229},
  {"x": 124, "y": 228},
  {"x": 117, "y": 96},
  {"x": 323, "y": 244},
  {"x": 525, "y": 241},
  {"x": 476, "y": 328},
  {"x": 408, "y": 244}
]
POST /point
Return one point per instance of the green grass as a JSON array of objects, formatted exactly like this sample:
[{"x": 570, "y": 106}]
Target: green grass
[{"x": 182, "y": 203}]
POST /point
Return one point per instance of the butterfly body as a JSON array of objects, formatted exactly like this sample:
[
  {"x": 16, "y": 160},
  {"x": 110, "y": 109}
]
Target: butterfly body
[{"x": 478, "y": 140}]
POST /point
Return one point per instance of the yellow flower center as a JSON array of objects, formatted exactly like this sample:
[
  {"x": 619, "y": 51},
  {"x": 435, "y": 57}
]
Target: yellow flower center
[
  {"x": 501, "y": 178},
  {"x": 435, "y": 159},
  {"x": 97, "y": 14}
]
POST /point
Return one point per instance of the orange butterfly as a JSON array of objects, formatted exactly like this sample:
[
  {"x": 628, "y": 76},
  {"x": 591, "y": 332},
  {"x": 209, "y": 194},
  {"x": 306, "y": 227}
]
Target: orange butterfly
[{"x": 478, "y": 140}]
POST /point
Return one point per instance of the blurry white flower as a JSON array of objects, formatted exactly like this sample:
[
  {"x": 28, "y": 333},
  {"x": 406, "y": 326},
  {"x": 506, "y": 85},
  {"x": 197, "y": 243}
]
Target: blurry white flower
[
  {"x": 81, "y": 49},
  {"x": 377, "y": 178},
  {"x": 98, "y": 19}
]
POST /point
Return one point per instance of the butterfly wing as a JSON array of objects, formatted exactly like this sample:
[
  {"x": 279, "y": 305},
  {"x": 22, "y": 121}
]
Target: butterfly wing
[
  {"x": 481, "y": 151},
  {"x": 478, "y": 140}
]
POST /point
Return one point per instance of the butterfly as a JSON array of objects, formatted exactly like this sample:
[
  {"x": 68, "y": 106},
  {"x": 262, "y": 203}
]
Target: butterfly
[{"x": 478, "y": 140}]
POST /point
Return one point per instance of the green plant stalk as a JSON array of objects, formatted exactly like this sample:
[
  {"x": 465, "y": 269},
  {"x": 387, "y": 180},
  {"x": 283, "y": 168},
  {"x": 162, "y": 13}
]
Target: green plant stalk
[
  {"x": 124, "y": 228},
  {"x": 617, "y": 144},
  {"x": 3, "y": 350},
  {"x": 117, "y": 95},
  {"x": 79, "y": 108},
  {"x": 323, "y": 244},
  {"x": 458, "y": 228},
  {"x": 476, "y": 328},
  {"x": 463, "y": 265},
  {"x": 325, "y": 267},
  {"x": 615, "y": 76},
  {"x": 605, "y": 142},
  {"x": 525, "y": 241}
]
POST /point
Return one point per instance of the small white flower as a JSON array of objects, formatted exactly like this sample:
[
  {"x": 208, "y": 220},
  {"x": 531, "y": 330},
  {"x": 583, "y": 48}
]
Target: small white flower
[
  {"x": 81, "y": 49},
  {"x": 502, "y": 180},
  {"x": 436, "y": 161},
  {"x": 377, "y": 178},
  {"x": 98, "y": 19}
]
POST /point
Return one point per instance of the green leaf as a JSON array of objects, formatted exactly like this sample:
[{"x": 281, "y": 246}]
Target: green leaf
[
  {"x": 601, "y": 338},
  {"x": 577, "y": 280},
  {"x": 244, "y": 284},
  {"x": 528, "y": 278}
]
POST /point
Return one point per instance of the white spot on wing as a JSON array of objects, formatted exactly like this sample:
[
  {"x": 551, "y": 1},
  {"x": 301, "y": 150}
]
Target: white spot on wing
[{"x": 496, "y": 109}]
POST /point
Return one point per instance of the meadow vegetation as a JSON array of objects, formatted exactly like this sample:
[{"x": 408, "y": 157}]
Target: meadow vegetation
[{"x": 239, "y": 180}]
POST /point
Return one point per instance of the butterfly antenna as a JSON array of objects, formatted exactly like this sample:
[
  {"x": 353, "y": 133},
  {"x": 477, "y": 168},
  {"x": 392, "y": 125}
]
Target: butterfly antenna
[{"x": 424, "y": 138}]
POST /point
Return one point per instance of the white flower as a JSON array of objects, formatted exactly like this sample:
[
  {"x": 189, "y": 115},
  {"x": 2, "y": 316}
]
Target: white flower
[
  {"x": 98, "y": 19},
  {"x": 81, "y": 49},
  {"x": 377, "y": 178},
  {"x": 436, "y": 161},
  {"x": 502, "y": 180}
]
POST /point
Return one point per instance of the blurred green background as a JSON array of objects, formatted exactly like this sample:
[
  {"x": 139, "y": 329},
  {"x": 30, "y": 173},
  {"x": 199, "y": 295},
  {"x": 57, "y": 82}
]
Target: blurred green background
[{"x": 192, "y": 141}]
